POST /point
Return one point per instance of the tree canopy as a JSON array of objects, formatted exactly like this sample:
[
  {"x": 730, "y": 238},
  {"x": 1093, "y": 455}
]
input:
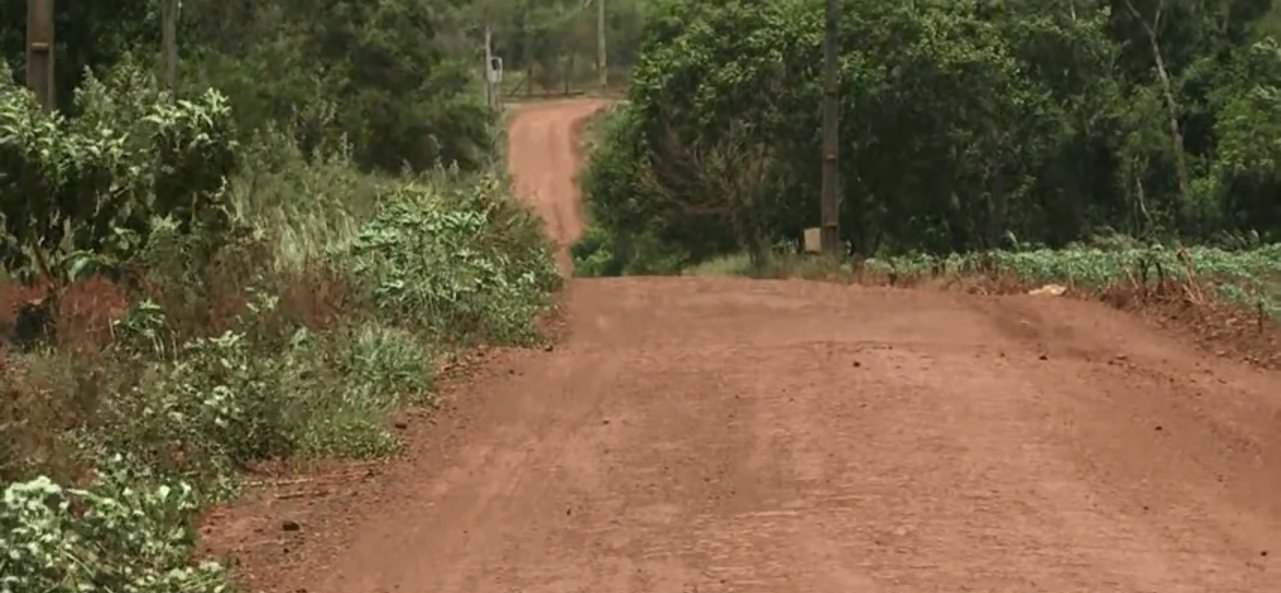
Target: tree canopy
[
  {"x": 964, "y": 125},
  {"x": 398, "y": 79}
]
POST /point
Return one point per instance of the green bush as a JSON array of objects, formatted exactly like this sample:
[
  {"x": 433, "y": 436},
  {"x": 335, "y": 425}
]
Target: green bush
[
  {"x": 200, "y": 418},
  {"x": 124, "y": 533},
  {"x": 130, "y": 158},
  {"x": 345, "y": 384},
  {"x": 375, "y": 73},
  {"x": 602, "y": 252},
  {"x": 1249, "y": 277},
  {"x": 457, "y": 260}
]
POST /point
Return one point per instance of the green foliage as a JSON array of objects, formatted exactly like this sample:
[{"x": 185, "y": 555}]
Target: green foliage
[
  {"x": 549, "y": 46},
  {"x": 1251, "y": 276},
  {"x": 198, "y": 418},
  {"x": 375, "y": 73},
  {"x": 283, "y": 292},
  {"x": 456, "y": 260},
  {"x": 614, "y": 244},
  {"x": 1246, "y": 173},
  {"x": 130, "y": 158},
  {"x": 124, "y": 533},
  {"x": 90, "y": 37},
  {"x": 593, "y": 254},
  {"x": 345, "y": 385},
  {"x": 1071, "y": 132},
  {"x": 599, "y": 252},
  {"x": 302, "y": 204}
]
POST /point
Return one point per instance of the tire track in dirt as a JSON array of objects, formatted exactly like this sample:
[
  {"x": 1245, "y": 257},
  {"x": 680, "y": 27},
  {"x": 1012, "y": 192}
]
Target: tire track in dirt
[{"x": 727, "y": 435}]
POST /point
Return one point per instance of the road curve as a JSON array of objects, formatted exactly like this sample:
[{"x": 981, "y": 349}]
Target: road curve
[
  {"x": 543, "y": 155},
  {"x": 727, "y": 435}
]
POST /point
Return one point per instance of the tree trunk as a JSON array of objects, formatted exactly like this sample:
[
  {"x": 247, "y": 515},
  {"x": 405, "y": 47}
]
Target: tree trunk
[
  {"x": 1141, "y": 195},
  {"x": 569, "y": 71},
  {"x": 1171, "y": 105},
  {"x": 602, "y": 61},
  {"x": 1176, "y": 135}
]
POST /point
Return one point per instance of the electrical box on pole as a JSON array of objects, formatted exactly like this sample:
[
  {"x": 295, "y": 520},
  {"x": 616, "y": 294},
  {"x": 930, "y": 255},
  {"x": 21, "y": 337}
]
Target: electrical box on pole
[
  {"x": 40, "y": 46},
  {"x": 494, "y": 82},
  {"x": 495, "y": 70}
]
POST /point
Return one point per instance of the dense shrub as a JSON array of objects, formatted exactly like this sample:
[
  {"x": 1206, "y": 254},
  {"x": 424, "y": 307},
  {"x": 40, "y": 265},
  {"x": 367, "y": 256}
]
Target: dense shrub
[
  {"x": 374, "y": 72},
  {"x": 456, "y": 260},
  {"x": 131, "y": 158},
  {"x": 614, "y": 244},
  {"x": 123, "y": 533}
]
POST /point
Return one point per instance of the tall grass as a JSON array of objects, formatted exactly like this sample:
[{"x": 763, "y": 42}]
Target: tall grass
[{"x": 303, "y": 205}]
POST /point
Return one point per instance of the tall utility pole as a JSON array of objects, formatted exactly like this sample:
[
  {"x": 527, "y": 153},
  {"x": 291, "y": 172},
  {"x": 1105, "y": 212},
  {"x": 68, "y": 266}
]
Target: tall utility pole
[
  {"x": 601, "y": 58},
  {"x": 169, "y": 43},
  {"x": 490, "y": 96},
  {"x": 40, "y": 51},
  {"x": 831, "y": 229}
]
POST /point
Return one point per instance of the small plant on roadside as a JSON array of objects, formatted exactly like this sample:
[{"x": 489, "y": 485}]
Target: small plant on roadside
[
  {"x": 344, "y": 385},
  {"x": 200, "y": 418},
  {"x": 124, "y": 533}
]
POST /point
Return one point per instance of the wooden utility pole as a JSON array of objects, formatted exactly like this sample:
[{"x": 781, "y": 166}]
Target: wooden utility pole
[
  {"x": 601, "y": 58},
  {"x": 490, "y": 96},
  {"x": 169, "y": 43},
  {"x": 40, "y": 51},
  {"x": 831, "y": 221}
]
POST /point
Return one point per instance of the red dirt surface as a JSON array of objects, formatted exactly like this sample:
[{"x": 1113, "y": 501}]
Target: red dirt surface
[
  {"x": 543, "y": 156},
  {"x": 728, "y": 435}
]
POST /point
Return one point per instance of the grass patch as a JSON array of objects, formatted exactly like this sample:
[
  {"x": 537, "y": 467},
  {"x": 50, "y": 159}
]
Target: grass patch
[
  {"x": 1245, "y": 277},
  {"x": 779, "y": 265}
]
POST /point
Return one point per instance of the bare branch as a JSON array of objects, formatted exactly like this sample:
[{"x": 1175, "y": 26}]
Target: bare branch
[{"x": 1142, "y": 21}]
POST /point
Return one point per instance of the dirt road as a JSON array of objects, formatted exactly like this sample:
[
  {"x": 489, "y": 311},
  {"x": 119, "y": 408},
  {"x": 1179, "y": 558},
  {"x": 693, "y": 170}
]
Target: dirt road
[
  {"x": 731, "y": 435},
  {"x": 543, "y": 157}
]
